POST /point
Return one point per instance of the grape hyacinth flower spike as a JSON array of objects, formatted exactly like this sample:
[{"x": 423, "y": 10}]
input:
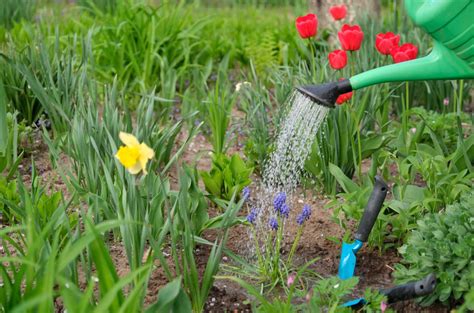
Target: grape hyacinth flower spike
[
  {"x": 273, "y": 223},
  {"x": 279, "y": 201},
  {"x": 246, "y": 193},
  {"x": 252, "y": 216},
  {"x": 304, "y": 215}
]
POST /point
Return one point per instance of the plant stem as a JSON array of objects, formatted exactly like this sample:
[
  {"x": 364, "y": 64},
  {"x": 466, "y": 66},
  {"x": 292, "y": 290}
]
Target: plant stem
[
  {"x": 311, "y": 60},
  {"x": 460, "y": 97},
  {"x": 406, "y": 107},
  {"x": 295, "y": 245},
  {"x": 257, "y": 247}
]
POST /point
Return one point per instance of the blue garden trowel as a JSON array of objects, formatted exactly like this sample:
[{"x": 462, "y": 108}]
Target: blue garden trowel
[{"x": 349, "y": 250}]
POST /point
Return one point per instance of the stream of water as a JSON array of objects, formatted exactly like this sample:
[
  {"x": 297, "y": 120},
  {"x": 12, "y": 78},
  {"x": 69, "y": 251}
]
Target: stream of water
[{"x": 284, "y": 168}]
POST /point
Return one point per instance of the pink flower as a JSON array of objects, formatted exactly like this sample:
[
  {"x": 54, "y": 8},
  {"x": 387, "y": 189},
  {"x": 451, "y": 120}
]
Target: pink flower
[{"x": 291, "y": 279}]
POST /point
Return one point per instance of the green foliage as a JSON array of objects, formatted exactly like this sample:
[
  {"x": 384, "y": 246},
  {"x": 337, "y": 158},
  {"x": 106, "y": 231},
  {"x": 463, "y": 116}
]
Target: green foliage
[
  {"x": 179, "y": 224},
  {"x": 10, "y": 135},
  {"x": 439, "y": 128},
  {"x": 55, "y": 78},
  {"x": 217, "y": 109},
  {"x": 16, "y": 10},
  {"x": 228, "y": 176},
  {"x": 443, "y": 244},
  {"x": 9, "y": 194},
  {"x": 326, "y": 295},
  {"x": 100, "y": 5}
]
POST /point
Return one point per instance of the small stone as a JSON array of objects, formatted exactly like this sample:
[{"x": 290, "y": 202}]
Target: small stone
[
  {"x": 213, "y": 299},
  {"x": 225, "y": 259}
]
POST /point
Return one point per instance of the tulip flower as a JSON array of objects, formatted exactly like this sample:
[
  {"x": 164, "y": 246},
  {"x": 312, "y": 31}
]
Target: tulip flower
[
  {"x": 338, "y": 59},
  {"x": 338, "y": 12},
  {"x": 404, "y": 53},
  {"x": 134, "y": 155},
  {"x": 351, "y": 37},
  {"x": 307, "y": 25},
  {"x": 386, "y": 42},
  {"x": 344, "y": 98}
]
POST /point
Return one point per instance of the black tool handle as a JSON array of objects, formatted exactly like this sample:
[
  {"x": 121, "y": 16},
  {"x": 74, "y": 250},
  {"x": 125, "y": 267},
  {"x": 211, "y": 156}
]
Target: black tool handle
[
  {"x": 372, "y": 209},
  {"x": 411, "y": 290}
]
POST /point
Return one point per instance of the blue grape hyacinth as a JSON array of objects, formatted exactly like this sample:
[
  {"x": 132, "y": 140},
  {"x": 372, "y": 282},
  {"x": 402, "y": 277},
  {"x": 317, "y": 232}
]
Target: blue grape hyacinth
[
  {"x": 285, "y": 210},
  {"x": 304, "y": 216},
  {"x": 279, "y": 201},
  {"x": 273, "y": 223},
  {"x": 252, "y": 216},
  {"x": 246, "y": 193}
]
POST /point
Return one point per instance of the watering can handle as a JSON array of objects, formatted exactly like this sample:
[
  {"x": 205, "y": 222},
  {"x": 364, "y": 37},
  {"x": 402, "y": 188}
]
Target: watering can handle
[
  {"x": 372, "y": 209},
  {"x": 411, "y": 290}
]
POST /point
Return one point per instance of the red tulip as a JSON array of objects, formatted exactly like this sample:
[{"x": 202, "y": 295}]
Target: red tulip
[
  {"x": 307, "y": 25},
  {"x": 404, "y": 53},
  {"x": 386, "y": 42},
  {"x": 351, "y": 37},
  {"x": 338, "y": 12},
  {"x": 338, "y": 59},
  {"x": 344, "y": 97}
]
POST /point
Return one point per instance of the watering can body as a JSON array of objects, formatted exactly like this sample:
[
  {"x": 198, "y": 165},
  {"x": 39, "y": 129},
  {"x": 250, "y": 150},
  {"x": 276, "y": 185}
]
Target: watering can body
[{"x": 451, "y": 24}]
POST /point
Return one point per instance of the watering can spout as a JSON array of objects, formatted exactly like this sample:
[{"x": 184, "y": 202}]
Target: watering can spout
[{"x": 440, "y": 64}]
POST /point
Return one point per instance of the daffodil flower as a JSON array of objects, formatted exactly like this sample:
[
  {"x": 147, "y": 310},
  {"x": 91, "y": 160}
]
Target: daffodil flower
[{"x": 134, "y": 155}]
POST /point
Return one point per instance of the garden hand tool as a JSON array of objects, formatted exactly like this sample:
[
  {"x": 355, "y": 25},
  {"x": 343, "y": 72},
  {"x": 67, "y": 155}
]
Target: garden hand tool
[
  {"x": 348, "y": 253},
  {"x": 449, "y": 22},
  {"x": 407, "y": 291}
]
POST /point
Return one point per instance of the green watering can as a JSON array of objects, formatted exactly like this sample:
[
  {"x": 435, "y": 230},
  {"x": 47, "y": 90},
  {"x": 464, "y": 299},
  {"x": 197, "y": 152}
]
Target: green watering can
[{"x": 449, "y": 22}]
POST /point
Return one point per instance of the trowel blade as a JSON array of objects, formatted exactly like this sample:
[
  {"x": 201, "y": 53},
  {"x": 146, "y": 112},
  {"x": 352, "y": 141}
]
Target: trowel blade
[{"x": 348, "y": 260}]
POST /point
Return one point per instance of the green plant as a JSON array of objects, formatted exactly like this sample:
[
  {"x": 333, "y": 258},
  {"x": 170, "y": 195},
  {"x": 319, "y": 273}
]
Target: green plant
[
  {"x": 14, "y": 11},
  {"x": 57, "y": 79},
  {"x": 180, "y": 225},
  {"x": 443, "y": 244},
  {"x": 11, "y": 133},
  {"x": 228, "y": 176},
  {"x": 108, "y": 6}
]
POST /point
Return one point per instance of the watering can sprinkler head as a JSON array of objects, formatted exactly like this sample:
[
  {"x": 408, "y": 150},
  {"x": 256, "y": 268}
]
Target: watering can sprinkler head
[
  {"x": 326, "y": 94},
  {"x": 451, "y": 25}
]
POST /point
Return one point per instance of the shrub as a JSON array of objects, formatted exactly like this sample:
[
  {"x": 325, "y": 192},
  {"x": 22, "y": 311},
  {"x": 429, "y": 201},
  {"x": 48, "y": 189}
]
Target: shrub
[{"x": 443, "y": 244}]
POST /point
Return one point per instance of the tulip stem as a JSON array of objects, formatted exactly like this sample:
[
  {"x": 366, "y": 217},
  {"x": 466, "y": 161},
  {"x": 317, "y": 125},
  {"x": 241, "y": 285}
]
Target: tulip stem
[{"x": 312, "y": 58}]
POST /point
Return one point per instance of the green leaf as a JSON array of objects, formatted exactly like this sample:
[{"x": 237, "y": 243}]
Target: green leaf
[
  {"x": 345, "y": 182},
  {"x": 3, "y": 121}
]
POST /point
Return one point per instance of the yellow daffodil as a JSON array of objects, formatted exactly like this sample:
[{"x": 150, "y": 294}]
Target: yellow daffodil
[{"x": 134, "y": 155}]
